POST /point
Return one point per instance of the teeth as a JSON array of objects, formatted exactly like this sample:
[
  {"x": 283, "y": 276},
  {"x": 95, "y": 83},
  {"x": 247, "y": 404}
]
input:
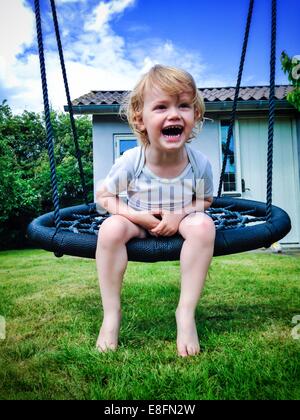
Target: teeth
[
  {"x": 173, "y": 126},
  {"x": 172, "y": 131}
]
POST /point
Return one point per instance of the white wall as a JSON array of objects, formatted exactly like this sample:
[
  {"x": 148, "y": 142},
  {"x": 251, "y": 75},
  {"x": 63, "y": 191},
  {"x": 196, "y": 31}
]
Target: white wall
[
  {"x": 208, "y": 143},
  {"x": 253, "y": 134},
  {"x": 104, "y": 128}
]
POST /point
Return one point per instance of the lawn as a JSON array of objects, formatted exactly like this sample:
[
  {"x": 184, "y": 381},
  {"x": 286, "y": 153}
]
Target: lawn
[{"x": 53, "y": 313}]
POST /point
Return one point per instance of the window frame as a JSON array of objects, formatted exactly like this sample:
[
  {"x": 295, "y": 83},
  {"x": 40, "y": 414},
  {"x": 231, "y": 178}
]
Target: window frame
[
  {"x": 117, "y": 138},
  {"x": 238, "y": 182}
]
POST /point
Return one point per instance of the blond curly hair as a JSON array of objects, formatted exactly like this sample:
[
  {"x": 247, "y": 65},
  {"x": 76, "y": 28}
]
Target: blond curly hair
[{"x": 172, "y": 81}]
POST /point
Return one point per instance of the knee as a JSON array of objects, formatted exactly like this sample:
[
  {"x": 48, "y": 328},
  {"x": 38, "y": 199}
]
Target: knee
[
  {"x": 113, "y": 231},
  {"x": 201, "y": 227}
]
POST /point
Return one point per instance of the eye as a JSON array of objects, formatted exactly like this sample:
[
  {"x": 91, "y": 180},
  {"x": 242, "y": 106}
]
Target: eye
[
  {"x": 160, "y": 107},
  {"x": 185, "y": 105}
]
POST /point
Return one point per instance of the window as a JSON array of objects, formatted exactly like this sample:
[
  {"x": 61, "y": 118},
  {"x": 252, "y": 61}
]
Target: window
[
  {"x": 230, "y": 170},
  {"x": 123, "y": 142}
]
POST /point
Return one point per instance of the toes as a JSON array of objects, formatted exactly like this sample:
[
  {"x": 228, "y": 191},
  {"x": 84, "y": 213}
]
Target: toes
[
  {"x": 182, "y": 350},
  {"x": 193, "y": 350},
  {"x": 112, "y": 346},
  {"x": 188, "y": 350},
  {"x": 100, "y": 348},
  {"x": 103, "y": 347}
]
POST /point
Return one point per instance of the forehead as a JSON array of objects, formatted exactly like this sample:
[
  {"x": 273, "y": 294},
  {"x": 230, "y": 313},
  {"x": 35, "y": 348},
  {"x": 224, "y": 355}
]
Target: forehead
[{"x": 157, "y": 94}]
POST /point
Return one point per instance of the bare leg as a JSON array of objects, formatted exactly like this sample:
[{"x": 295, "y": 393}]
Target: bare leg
[
  {"x": 199, "y": 233},
  {"x": 111, "y": 258}
]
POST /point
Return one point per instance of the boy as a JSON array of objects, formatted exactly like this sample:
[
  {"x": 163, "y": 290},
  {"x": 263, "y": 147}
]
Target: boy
[{"x": 163, "y": 110}]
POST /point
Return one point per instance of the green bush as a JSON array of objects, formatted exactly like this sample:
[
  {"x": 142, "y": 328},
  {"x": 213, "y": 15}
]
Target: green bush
[{"x": 25, "y": 187}]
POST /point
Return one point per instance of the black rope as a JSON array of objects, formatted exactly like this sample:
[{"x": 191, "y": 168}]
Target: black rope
[
  {"x": 236, "y": 96},
  {"x": 271, "y": 112},
  {"x": 49, "y": 129},
  {"x": 70, "y": 107},
  {"x": 223, "y": 218}
]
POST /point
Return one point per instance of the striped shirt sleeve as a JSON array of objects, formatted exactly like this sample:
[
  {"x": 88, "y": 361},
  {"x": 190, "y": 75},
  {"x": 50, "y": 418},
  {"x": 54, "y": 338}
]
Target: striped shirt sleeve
[{"x": 120, "y": 174}]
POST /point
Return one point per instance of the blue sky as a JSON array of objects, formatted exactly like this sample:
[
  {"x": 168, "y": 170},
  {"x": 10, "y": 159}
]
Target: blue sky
[{"x": 109, "y": 43}]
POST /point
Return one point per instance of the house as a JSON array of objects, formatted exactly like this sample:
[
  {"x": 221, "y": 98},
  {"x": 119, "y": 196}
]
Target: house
[{"x": 247, "y": 166}]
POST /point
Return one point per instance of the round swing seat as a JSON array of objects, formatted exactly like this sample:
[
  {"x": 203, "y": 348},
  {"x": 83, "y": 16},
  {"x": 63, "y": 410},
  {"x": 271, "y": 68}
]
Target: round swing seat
[{"x": 77, "y": 238}]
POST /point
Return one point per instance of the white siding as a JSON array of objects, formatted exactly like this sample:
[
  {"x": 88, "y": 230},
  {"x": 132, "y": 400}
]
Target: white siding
[
  {"x": 104, "y": 129},
  {"x": 208, "y": 142},
  {"x": 253, "y": 145}
]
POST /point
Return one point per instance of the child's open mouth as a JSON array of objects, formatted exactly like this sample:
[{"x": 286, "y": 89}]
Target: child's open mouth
[{"x": 173, "y": 132}]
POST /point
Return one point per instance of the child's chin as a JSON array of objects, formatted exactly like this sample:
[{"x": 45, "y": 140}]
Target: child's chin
[{"x": 173, "y": 140}]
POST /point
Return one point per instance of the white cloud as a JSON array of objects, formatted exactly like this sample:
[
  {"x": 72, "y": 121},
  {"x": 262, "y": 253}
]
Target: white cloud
[
  {"x": 96, "y": 56},
  {"x": 16, "y": 28},
  {"x": 105, "y": 12},
  {"x": 14, "y": 38}
]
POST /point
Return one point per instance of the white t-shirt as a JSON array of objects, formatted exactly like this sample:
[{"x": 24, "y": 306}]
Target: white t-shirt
[{"x": 149, "y": 191}]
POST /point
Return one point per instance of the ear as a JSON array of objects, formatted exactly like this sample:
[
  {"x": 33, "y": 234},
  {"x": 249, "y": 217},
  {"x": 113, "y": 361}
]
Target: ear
[
  {"x": 197, "y": 115},
  {"x": 138, "y": 121}
]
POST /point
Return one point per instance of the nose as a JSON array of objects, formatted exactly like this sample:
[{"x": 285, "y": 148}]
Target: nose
[{"x": 174, "y": 113}]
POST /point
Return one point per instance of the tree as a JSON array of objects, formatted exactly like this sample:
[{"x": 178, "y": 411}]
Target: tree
[
  {"x": 291, "y": 66},
  {"x": 25, "y": 188}
]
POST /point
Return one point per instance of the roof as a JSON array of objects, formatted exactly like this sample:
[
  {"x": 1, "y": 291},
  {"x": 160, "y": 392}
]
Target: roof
[
  {"x": 253, "y": 98},
  {"x": 248, "y": 93}
]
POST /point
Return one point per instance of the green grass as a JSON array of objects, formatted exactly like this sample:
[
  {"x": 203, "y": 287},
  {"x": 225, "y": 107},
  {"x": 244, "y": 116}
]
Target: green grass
[{"x": 53, "y": 314}]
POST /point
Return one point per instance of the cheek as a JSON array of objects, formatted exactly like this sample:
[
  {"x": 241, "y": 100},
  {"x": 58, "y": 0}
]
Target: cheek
[{"x": 192, "y": 119}]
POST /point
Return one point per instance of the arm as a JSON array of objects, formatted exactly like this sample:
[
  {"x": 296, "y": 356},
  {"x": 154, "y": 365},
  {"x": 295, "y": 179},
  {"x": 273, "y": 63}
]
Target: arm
[{"x": 115, "y": 205}]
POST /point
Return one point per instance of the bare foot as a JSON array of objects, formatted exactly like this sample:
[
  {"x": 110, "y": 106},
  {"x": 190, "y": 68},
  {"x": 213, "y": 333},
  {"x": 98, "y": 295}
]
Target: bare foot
[
  {"x": 109, "y": 332},
  {"x": 187, "y": 336}
]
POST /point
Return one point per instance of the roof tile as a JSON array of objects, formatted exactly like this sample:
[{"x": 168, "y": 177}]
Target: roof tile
[{"x": 247, "y": 93}]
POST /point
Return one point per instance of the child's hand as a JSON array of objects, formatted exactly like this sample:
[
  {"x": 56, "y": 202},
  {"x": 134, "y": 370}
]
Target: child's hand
[
  {"x": 148, "y": 222},
  {"x": 169, "y": 224}
]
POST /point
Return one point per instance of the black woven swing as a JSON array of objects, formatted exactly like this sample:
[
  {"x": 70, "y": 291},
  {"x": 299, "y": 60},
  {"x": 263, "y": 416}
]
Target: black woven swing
[{"x": 241, "y": 225}]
